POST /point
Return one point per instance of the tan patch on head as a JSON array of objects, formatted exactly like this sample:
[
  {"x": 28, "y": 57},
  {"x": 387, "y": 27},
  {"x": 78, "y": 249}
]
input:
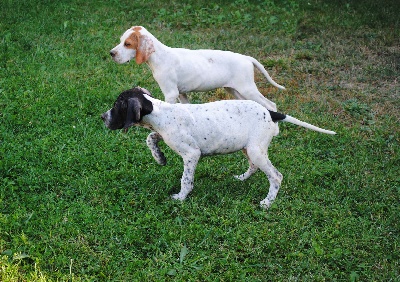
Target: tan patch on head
[
  {"x": 141, "y": 43},
  {"x": 132, "y": 42}
]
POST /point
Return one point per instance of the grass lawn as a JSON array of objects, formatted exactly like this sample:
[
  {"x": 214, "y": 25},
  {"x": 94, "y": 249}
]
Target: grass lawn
[{"x": 81, "y": 203}]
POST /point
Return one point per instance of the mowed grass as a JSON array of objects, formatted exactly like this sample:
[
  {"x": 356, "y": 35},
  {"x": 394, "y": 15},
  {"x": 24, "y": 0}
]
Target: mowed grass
[{"x": 81, "y": 203}]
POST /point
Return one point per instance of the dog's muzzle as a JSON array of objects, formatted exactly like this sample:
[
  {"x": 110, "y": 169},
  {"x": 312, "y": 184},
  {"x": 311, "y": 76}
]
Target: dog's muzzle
[{"x": 106, "y": 118}]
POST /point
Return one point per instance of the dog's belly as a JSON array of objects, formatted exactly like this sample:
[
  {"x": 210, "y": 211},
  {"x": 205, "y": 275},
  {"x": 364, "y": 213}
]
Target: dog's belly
[
  {"x": 221, "y": 134},
  {"x": 215, "y": 144},
  {"x": 205, "y": 80},
  {"x": 206, "y": 71}
]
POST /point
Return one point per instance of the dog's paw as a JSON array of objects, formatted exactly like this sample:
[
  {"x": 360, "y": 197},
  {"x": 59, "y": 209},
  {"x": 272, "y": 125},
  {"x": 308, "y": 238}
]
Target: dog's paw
[
  {"x": 161, "y": 159},
  {"x": 265, "y": 204},
  {"x": 178, "y": 197},
  {"x": 239, "y": 177}
]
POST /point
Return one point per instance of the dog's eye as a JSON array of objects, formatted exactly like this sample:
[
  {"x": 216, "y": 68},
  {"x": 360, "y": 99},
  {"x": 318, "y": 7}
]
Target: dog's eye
[{"x": 126, "y": 44}]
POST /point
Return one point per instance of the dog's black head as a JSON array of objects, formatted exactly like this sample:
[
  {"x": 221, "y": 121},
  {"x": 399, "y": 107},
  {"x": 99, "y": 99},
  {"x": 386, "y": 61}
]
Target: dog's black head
[{"x": 129, "y": 108}]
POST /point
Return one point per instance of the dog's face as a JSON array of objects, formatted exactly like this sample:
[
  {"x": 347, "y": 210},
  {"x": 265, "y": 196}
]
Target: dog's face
[
  {"x": 129, "y": 108},
  {"x": 135, "y": 43}
]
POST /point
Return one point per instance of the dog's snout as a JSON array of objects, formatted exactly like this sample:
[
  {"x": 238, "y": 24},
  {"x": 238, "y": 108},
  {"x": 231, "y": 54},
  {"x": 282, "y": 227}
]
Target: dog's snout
[
  {"x": 112, "y": 53},
  {"x": 103, "y": 116}
]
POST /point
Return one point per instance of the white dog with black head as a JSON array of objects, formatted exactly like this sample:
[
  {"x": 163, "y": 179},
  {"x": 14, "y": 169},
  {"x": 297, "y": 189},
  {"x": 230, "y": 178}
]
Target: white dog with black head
[{"x": 196, "y": 130}]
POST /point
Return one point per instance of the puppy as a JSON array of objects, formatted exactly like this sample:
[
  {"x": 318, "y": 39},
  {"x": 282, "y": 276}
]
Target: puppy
[
  {"x": 179, "y": 71},
  {"x": 196, "y": 130}
]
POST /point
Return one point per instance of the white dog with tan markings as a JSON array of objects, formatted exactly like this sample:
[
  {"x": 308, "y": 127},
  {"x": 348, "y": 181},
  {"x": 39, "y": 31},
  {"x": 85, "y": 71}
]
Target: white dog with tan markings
[
  {"x": 196, "y": 130},
  {"x": 179, "y": 71}
]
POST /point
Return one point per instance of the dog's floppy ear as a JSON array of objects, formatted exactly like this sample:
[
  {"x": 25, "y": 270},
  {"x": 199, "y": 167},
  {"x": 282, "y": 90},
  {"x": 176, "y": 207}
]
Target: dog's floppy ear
[
  {"x": 133, "y": 114},
  {"x": 144, "y": 49}
]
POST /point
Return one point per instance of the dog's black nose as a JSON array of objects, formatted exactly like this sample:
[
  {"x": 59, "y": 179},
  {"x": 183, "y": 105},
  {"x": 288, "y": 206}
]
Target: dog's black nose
[
  {"x": 112, "y": 53},
  {"x": 103, "y": 117}
]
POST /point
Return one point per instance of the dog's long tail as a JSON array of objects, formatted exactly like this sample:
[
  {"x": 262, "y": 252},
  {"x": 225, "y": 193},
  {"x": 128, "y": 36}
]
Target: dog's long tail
[
  {"x": 282, "y": 117},
  {"x": 261, "y": 68}
]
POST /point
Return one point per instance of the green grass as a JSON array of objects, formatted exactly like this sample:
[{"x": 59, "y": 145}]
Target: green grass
[{"x": 81, "y": 203}]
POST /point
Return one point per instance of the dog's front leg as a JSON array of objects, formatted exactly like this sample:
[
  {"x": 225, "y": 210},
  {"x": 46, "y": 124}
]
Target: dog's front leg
[
  {"x": 152, "y": 142},
  {"x": 189, "y": 166},
  {"x": 169, "y": 89}
]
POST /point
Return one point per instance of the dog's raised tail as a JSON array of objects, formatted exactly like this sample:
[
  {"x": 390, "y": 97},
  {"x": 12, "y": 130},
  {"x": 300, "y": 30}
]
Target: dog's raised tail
[
  {"x": 286, "y": 118},
  {"x": 261, "y": 68}
]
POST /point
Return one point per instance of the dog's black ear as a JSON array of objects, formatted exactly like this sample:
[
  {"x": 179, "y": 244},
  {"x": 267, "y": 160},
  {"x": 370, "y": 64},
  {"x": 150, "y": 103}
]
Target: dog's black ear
[{"x": 133, "y": 113}]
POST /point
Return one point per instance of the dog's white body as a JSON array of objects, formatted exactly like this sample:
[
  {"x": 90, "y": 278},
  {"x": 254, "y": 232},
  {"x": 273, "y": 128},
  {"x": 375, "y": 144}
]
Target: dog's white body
[
  {"x": 195, "y": 130},
  {"x": 179, "y": 71}
]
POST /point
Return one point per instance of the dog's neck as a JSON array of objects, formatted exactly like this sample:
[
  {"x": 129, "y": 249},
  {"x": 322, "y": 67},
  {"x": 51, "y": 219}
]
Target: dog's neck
[
  {"x": 152, "y": 120},
  {"x": 161, "y": 51},
  {"x": 158, "y": 105}
]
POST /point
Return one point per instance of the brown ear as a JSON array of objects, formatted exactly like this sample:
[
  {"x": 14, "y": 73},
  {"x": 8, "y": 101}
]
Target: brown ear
[{"x": 144, "y": 49}]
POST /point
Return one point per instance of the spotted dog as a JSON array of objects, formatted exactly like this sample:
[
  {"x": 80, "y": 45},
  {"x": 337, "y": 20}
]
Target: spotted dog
[{"x": 196, "y": 130}]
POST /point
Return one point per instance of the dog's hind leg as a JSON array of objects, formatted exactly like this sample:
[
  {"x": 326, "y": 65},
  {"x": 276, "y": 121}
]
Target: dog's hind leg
[
  {"x": 152, "y": 142},
  {"x": 234, "y": 93},
  {"x": 250, "y": 92},
  {"x": 252, "y": 168},
  {"x": 183, "y": 98},
  {"x": 274, "y": 176}
]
